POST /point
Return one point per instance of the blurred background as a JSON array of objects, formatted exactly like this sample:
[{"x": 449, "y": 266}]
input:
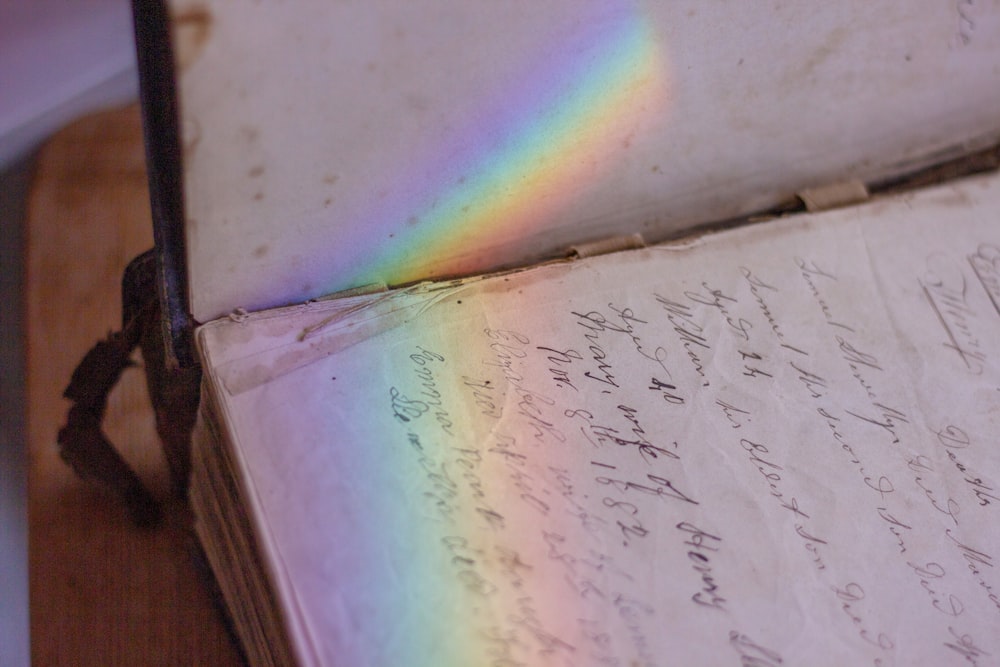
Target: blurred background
[{"x": 58, "y": 61}]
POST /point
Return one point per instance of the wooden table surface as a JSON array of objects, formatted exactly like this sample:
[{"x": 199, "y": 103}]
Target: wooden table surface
[{"x": 103, "y": 592}]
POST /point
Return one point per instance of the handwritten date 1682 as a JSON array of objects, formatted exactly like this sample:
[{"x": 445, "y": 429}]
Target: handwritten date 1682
[{"x": 653, "y": 485}]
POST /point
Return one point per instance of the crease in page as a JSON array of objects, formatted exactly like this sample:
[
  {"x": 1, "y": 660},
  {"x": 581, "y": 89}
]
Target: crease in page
[{"x": 334, "y": 334}]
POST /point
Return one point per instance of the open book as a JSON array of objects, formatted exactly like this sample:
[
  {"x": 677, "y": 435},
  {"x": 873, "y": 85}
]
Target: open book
[
  {"x": 769, "y": 445},
  {"x": 773, "y": 445}
]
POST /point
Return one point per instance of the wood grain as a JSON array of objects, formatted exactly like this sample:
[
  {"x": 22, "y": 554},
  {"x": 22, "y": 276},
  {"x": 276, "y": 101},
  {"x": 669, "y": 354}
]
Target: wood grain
[{"x": 102, "y": 591}]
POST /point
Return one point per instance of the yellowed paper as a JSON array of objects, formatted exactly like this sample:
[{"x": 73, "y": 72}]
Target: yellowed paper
[{"x": 774, "y": 446}]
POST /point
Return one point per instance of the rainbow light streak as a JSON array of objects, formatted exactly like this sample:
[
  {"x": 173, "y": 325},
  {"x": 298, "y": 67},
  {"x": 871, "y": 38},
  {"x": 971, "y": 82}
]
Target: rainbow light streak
[
  {"x": 400, "y": 577},
  {"x": 541, "y": 145},
  {"x": 406, "y": 579},
  {"x": 558, "y": 132}
]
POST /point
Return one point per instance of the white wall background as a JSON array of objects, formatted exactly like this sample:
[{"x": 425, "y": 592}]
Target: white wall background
[{"x": 58, "y": 60}]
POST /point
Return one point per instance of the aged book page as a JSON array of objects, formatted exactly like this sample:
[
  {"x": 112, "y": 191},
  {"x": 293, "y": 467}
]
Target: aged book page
[
  {"x": 773, "y": 445},
  {"x": 428, "y": 139}
]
